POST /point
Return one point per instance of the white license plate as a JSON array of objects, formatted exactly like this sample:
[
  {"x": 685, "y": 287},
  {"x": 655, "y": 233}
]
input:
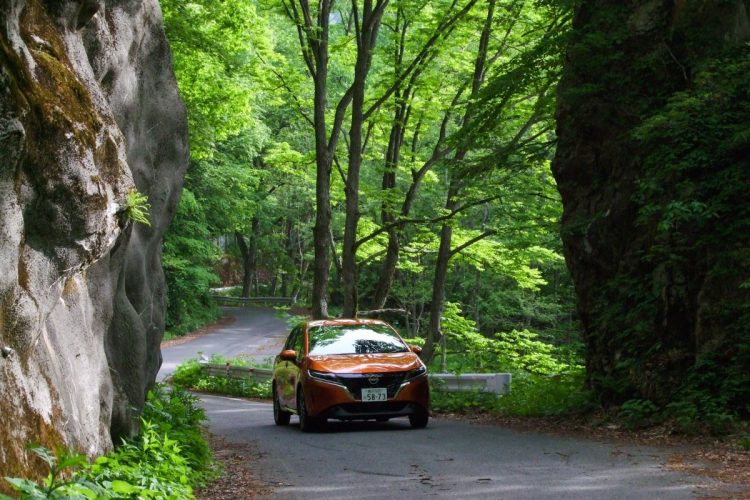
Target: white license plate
[{"x": 379, "y": 394}]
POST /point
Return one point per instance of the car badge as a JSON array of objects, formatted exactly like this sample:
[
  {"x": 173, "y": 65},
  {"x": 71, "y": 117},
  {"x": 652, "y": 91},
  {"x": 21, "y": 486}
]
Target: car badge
[{"x": 373, "y": 379}]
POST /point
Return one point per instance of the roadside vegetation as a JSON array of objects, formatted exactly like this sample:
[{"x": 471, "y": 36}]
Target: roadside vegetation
[
  {"x": 189, "y": 375},
  {"x": 167, "y": 460}
]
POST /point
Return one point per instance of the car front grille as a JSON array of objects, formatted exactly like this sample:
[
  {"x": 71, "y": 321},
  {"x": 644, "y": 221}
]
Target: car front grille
[{"x": 355, "y": 382}]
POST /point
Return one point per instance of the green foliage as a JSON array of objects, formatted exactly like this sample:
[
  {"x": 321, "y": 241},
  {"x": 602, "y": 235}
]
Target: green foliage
[
  {"x": 151, "y": 467},
  {"x": 178, "y": 414},
  {"x": 167, "y": 459},
  {"x": 505, "y": 351},
  {"x": 137, "y": 207},
  {"x": 461, "y": 402},
  {"x": 217, "y": 48},
  {"x": 190, "y": 375},
  {"x": 61, "y": 463},
  {"x": 188, "y": 259},
  {"x": 670, "y": 325},
  {"x": 531, "y": 395},
  {"x": 692, "y": 198},
  {"x": 637, "y": 413},
  {"x": 186, "y": 374},
  {"x": 546, "y": 380},
  {"x": 546, "y": 395}
]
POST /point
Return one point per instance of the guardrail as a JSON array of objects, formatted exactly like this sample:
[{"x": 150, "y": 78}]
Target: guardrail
[
  {"x": 237, "y": 372},
  {"x": 495, "y": 383},
  {"x": 223, "y": 300}
]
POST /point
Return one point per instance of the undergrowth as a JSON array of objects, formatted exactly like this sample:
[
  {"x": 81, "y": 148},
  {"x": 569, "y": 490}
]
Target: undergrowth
[
  {"x": 189, "y": 375},
  {"x": 167, "y": 460}
]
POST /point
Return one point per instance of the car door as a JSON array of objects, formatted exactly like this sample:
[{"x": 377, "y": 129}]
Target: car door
[
  {"x": 295, "y": 367},
  {"x": 287, "y": 372}
]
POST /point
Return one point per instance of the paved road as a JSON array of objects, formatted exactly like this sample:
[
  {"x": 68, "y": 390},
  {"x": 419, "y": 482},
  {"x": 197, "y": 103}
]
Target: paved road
[
  {"x": 448, "y": 459},
  {"x": 256, "y": 334}
]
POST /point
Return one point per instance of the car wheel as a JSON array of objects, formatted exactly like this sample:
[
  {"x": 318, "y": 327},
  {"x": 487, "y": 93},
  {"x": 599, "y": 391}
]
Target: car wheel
[
  {"x": 281, "y": 417},
  {"x": 306, "y": 422},
  {"x": 419, "y": 419}
]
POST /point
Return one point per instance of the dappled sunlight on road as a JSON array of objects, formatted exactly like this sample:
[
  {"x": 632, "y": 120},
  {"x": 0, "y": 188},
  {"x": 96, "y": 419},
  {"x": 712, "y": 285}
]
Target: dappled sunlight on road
[{"x": 447, "y": 459}]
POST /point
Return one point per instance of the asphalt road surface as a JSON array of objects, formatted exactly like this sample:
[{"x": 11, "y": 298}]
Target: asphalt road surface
[
  {"x": 257, "y": 334},
  {"x": 448, "y": 459}
]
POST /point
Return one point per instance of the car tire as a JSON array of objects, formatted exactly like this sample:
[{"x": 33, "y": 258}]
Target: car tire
[
  {"x": 280, "y": 416},
  {"x": 306, "y": 422},
  {"x": 419, "y": 420}
]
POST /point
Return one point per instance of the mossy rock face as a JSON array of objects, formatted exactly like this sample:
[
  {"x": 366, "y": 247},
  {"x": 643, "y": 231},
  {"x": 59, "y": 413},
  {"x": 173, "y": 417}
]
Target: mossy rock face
[
  {"x": 652, "y": 161},
  {"x": 89, "y": 110}
]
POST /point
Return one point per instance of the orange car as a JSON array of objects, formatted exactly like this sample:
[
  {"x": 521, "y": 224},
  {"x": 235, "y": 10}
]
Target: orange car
[{"x": 348, "y": 370}]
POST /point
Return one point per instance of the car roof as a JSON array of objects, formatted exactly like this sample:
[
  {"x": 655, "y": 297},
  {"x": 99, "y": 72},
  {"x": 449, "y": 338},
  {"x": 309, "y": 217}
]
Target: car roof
[{"x": 344, "y": 322}]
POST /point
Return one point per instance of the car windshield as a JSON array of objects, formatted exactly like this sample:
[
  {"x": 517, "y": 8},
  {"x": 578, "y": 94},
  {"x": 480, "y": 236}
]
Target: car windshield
[{"x": 354, "y": 339}]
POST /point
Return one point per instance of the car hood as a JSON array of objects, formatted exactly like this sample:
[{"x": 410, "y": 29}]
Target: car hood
[{"x": 365, "y": 363}]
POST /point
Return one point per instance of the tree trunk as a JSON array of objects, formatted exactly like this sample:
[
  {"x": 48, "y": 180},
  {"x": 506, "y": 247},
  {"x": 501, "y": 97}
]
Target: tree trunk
[
  {"x": 284, "y": 284},
  {"x": 322, "y": 171},
  {"x": 392, "y": 160},
  {"x": 388, "y": 271},
  {"x": 434, "y": 332},
  {"x": 367, "y": 33},
  {"x": 249, "y": 256}
]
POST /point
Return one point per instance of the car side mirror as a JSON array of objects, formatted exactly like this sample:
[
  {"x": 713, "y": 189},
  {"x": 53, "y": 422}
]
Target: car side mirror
[
  {"x": 415, "y": 349},
  {"x": 289, "y": 355}
]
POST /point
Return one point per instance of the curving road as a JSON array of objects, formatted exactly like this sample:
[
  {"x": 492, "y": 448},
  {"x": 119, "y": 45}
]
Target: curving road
[
  {"x": 256, "y": 334},
  {"x": 448, "y": 459}
]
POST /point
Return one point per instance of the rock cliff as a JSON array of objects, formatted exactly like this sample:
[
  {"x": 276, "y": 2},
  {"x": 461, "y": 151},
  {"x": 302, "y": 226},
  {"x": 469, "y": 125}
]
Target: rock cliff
[
  {"x": 89, "y": 110},
  {"x": 652, "y": 165}
]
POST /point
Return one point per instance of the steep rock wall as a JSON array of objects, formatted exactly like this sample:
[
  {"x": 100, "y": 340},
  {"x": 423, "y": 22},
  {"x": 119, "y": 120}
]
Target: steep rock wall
[
  {"x": 88, "y": 110},
  {"x": 653, "y": 168}
]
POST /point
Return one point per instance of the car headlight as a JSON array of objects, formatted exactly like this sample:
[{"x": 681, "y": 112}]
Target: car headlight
[
  {"x": 323, "y": 376},
  {"x": 416, "y": 373}
]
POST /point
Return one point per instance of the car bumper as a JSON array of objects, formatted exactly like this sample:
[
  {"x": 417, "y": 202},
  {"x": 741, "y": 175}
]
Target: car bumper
[{"x": 335, "y": 401}]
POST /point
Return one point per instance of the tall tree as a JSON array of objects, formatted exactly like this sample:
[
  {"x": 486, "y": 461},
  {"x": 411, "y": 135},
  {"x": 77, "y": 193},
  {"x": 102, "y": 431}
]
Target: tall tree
[
  {"x": 313, "y": 27},
  {"x": 404, "y": 80},
  {"x": 508, "y": 116},
  {"x": 366, "y": 27}
]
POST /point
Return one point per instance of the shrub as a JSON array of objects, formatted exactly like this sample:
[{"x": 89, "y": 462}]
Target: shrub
[
  {"x": 638, "y": 413},
  {"x": 190, "y": 375},
  {"x": 531, "y": 395},
  {"x": 167, "y": 459}
]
